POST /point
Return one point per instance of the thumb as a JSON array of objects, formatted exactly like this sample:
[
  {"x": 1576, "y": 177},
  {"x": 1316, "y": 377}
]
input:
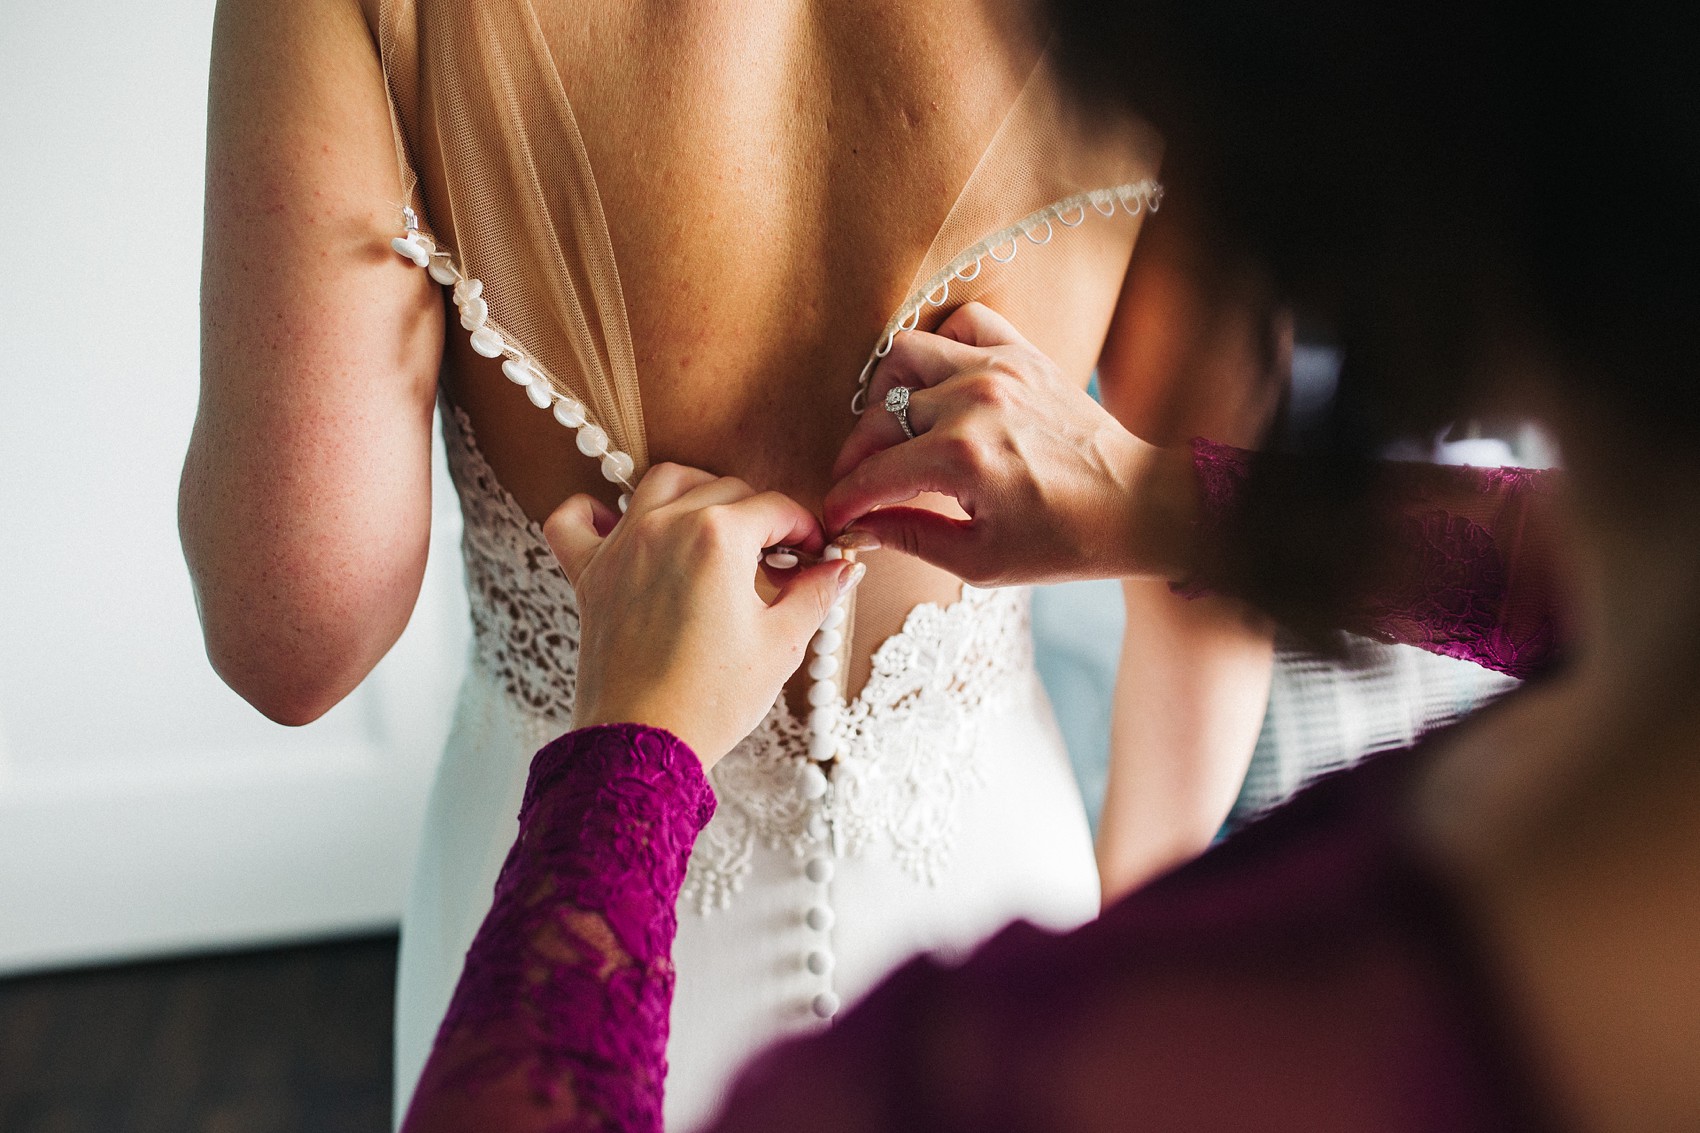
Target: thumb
[
  {"x": 807, "y": 596},
  {"x": 927, "y": 535},
  {"x": 976, "y": 324},
  {"x": 571, "y": 530}
]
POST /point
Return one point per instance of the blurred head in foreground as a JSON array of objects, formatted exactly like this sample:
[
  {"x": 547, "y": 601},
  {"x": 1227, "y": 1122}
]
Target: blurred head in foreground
[
  {"x": 1493, "y": 208},
  {"x": 1487, "y": 205}
]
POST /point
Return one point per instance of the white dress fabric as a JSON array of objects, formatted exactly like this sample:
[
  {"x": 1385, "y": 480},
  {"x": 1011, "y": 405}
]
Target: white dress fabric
[
  {"x": 957, "y": 810},
  {"x": 950, "y": 806}
]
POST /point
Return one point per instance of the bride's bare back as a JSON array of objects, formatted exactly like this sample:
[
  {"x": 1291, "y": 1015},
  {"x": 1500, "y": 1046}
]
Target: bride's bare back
[
  {"x": 771, "y": 175},
  {"x": 772, "y": 178},
  {"x": 769, "y": 181}
]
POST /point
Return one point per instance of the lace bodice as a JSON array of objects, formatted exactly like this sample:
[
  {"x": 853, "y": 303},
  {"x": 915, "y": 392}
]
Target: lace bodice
[
  {"x": 561, "y": 1015},
  {"x": 906, "y": 742}
]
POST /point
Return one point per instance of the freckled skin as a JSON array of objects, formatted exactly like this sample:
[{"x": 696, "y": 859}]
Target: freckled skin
[
  {"x": 768, "y": 204},
  {"x": 772, "y": 176}
]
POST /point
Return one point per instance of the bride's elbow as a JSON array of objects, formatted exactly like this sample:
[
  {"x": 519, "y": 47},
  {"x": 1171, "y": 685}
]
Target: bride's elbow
[
  {"x": 292, "y": 660},
  {"x": 282, "y": 685},
  {"x": 293, "y": 636},
  {"x": 293, "y": 707},
  {"x": 292, "y": 711}
]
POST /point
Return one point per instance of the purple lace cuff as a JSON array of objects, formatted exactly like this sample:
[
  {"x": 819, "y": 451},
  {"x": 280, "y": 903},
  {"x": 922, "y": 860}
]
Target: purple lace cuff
[
  {"x": 560, "y": 1017},
  {"x": 1476, "y": 580},
  {"x": 1453, "y": 560},
  {"x": 1222, "y": 472}
]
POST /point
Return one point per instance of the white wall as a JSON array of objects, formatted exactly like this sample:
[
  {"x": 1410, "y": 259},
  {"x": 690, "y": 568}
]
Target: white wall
[{"x": 143, "y": 806}]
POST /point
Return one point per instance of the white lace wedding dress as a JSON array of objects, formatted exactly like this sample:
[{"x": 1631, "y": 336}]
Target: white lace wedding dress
[
  {"x": 957, "y": 807},
  {"x": 940, "y": 803}
]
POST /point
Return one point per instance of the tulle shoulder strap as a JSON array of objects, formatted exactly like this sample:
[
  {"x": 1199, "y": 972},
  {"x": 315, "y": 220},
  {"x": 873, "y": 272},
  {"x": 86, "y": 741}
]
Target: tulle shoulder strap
[
  {"x": 1054, "y": 163},
  {"x": 492, "y": 160},
  {"x": 1050, "y": 147}
]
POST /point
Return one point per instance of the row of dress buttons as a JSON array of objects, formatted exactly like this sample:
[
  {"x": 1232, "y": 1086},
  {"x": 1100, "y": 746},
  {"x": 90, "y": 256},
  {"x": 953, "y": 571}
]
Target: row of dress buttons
[
  {"x": 570, "y": 412},
  {"x": 617, "y": 467},
  {"x": 824, "y": 705}
]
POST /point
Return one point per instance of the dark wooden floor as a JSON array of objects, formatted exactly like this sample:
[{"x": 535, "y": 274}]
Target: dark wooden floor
[{"x": 279, "y": 1041}]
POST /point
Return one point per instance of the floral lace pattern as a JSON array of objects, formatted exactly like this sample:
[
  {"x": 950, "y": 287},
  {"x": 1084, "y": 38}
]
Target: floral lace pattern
[
  {"x": 563, "y": 1006},
  {"x": 905, "y": 744},
  {"x": 906, "y": 741},
  {"x": 1456, "y": 596},
  {"x": 524, "y": 616},
  {"x": 1466, "y": 576}
]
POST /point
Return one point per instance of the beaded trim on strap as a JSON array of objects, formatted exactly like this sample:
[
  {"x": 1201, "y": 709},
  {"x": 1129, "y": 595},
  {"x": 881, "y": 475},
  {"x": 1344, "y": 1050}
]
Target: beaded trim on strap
[
  {"x": 1133, "y": 198},
  {"x": 520, "y": 368}
]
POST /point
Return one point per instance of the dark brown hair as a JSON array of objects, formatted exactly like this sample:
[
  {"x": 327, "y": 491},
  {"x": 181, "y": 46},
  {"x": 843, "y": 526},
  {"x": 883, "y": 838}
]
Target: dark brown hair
[{"x": 1426, "y": 180}]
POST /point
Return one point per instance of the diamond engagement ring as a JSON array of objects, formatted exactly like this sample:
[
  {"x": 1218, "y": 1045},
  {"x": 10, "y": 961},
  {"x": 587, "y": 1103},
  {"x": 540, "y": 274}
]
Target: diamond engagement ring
[{"x": 897, "y": 404}]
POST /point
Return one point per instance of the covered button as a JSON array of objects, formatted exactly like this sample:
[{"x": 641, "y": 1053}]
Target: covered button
[
  {"x": 592, "y": 441},
  {"x": 569, "y": 411},
  {"x": 616, "y": 467}
]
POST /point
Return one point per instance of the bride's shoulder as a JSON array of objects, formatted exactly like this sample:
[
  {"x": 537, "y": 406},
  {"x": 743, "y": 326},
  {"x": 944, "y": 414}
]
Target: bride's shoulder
[{"x": 294, "y": 27}]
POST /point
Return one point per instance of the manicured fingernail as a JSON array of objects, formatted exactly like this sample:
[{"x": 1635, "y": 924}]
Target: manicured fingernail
[
  {"x": 859, "y": 541},
  {"x": 851, "y": 577}
]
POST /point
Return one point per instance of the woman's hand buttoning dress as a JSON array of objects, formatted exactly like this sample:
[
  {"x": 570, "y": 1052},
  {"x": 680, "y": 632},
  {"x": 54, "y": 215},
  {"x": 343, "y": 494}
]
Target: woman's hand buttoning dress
[
  {"x": 560, "y": 1019},
  {"x": 595, "y": 241}
]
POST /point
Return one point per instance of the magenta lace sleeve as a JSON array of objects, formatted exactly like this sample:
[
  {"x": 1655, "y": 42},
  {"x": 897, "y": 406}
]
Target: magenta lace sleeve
[
  {"x": 1461, "y": 565},
  {"x": 560, "y": 1019}
]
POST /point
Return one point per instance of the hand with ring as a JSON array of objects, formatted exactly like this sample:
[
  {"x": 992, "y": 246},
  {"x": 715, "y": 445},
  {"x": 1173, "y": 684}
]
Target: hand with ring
[
  {"x": 1054, "y": 487},
  {"x": 897, "y": 404}
]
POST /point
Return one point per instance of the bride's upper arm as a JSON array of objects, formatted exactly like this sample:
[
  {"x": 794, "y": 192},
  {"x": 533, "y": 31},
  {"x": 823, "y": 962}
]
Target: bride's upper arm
[
  {"x": 1192, "y": 351},
  {"x": 1194, "y": 348},
  {"x": 305, "y": 503}
]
